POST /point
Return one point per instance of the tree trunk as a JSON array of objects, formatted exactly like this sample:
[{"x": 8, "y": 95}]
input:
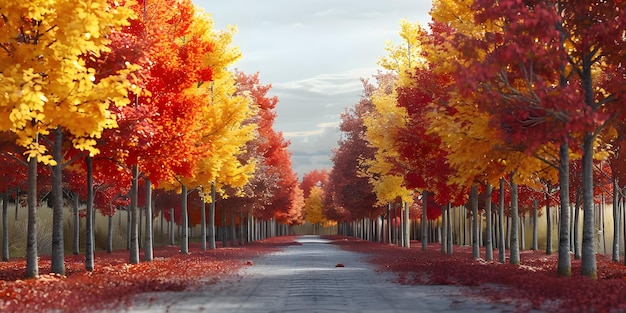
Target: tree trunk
[
  {"x": 564, "y": 263},
  {"x": 388, "y": 224},
  {"x": 110, "y": 234},
  {"x": 134, "y": 217},
  {"x": 211, "y": 229},
  {"x": 488, "y": 234},
  {"x": 444, "y": 231},
  {"x": 202, "y": 222},
  {"x": 548, "y": 224},
  {"x": 172, "y": 241},
  {"x": 514, "y": 254},
  {"x": 223, "y": 228},
  {"x": 623, "y": 207},
  {"x": 5, "y": 226},
  {"x": 241, "y": 229},
  {"x": 522, "y": 229},
  {"x": 577, "y": 226},
  {"x": 501, "y": 246},
  {"x": 184, "y": 221},
  {"x": 424, "y": 221},
  {"x": 17, "y": 202},
  {"x": 588, "y": 260},
  {"x": 89, "y": 229},
  {"x": 128, "y": 227},
  {"x": 474, "y": 204},
  {"x": 76, "y": 245},
  {"x": 148, "y": 249},
  {"x": 535, "y": 230},
  {"x": 449, "y": 228},
  {"x": 57, "y": 263},
  {"x": 32, "y": 267},
  {"x": 233, "y": 234}
]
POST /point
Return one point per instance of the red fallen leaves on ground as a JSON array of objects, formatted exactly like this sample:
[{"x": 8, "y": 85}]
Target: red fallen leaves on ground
[
  {"x": 533, "y": 285},
  {"x": 113, "y": 281}
]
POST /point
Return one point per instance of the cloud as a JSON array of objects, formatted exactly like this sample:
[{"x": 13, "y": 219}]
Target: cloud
[
  {"x": 314, "y": 53},
  {"x": 329, "y": 83},
  {"x": 312, "y": 149}
]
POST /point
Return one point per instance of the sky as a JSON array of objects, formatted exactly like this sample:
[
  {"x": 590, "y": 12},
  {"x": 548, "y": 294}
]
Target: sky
[{"x": 314, "y": 54}]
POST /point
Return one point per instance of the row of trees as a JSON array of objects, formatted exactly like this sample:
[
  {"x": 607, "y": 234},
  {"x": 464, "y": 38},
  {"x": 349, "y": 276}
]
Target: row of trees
[
  {"x": 114, "y": 96},
  {"x": 521, "y": 95}
]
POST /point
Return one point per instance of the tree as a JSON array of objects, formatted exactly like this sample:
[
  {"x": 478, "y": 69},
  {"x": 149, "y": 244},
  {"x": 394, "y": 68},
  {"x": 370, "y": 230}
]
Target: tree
[
  {"x": 45, "y": 53},
  {"x": 313, "y": 207},
  {"x": 312, "y": 179},
  {"x": 349, "y": 194},
  {"x": 550, "y": 85}
]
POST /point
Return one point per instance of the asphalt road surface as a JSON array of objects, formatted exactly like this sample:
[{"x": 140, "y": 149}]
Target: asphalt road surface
[{"x": 305, "y": 278}]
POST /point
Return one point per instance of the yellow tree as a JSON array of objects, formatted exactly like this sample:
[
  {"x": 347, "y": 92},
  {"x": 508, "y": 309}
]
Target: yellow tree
[
  {"x": 313, "y": 208},
  {"x": 223, "y": 124},
  {"x": 46, "y": 86}
]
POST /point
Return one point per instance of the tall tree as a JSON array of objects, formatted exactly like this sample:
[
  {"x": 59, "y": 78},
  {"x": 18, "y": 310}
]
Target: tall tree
[{"x": 45, "y": 51}]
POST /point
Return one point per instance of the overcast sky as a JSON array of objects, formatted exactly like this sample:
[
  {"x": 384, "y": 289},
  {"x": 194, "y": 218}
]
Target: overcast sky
[{"x": 313, "y": 53}]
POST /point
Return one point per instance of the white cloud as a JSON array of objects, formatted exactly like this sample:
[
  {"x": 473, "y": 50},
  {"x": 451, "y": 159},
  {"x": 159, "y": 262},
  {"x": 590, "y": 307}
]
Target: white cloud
[{"x": 314, "y": 53}]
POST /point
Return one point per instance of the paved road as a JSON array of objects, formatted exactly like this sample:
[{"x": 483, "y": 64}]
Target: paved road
[{"x": 304, "y": 278}]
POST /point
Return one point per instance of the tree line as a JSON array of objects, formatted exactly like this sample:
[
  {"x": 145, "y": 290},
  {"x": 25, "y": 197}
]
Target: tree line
[
  {"x": 107, "y": 102},
  {"x": 507, "y": 106}
]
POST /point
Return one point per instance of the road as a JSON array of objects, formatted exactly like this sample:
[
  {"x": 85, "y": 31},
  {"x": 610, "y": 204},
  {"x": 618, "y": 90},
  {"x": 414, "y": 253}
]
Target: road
[{"x": 306, "y": 278}]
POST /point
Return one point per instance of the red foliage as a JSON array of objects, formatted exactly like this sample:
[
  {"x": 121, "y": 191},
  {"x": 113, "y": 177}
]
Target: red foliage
[
  {"x": 113, "y": 281},
  {"x": 313, "y": 178},
  {"x": 532, "y": 286}
]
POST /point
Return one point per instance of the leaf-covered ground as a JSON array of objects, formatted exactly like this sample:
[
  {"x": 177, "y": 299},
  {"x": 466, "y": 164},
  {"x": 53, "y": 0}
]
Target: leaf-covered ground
[
  {"x": 113, "y": 281},
  {"x": 533, "y": 285}
]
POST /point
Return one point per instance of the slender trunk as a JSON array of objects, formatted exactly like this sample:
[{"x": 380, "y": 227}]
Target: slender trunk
[
  {"x": 32, "y": 266},
  {"x": 172, "y": 241},
  {"x": 223, "y": 228},
  {"x": 128, "y": 228},
  {"x": 233, "y": 235},
  {"x": 522, "y": 229},
  {"x": 514, "y": 254},
  {"x": 110, "y": 234},
  {"x": 535, "y": 231},
  {"x": 211, "y": 230},
  {"x": 424, "y": 220},
  {"x": 488, "y": 215},
  {"x": 444, "y": 231},
  {"x": 623, "y": 207},
  {"x": 449, "y": 228},
  {"x": 588, "y": 260},
  {"x": 577, "y": 226},
  {"x": 134, "y": 217},
  {"x": 57, "y": 264},
  {"x": 147, "y": 249},
  {"x": 388, "y": 232},
  {"x": 161, "y": 217},
  {"x": 241, "y": 229},
  {"x": 474, "y": 204},
  {"x": 564, "y": 266},
  {"x": 184, "y": 222},
  {"x": 140, "y": 224},
  {"x": 89, "y": 244},
  {"x": 548, "y": 224},
  {"x": 17, "y": 202},
  {"x": 5, "y": 226},
  {"x": 76, "y": 245},
  {"x": 202, "y": 221},
  {"x": 407, "y": 228}
]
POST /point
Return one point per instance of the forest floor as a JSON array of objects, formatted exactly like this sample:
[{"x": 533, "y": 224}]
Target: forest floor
[
  {"x": 534, "y": 283},
  {"x": 113, "y": 281}
]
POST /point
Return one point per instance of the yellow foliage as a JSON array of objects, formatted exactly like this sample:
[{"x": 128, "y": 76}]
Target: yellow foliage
[
  {"x": 313, "y": 207},
  {"x": 224, "y": 127},
  {"x": 44, "y": 81}
]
